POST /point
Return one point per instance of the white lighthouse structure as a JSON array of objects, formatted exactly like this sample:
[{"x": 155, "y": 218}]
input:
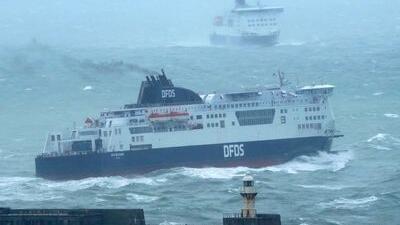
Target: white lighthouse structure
[{"x": 248, "y": 192}]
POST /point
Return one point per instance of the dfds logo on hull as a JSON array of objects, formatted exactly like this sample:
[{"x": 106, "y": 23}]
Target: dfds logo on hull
[{"x": 233, "y": 150}]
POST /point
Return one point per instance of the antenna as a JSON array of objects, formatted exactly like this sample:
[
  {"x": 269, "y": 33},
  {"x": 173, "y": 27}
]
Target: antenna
[
  {"x": 162, "y": 72},
  {"x": 281, "y": 78}
]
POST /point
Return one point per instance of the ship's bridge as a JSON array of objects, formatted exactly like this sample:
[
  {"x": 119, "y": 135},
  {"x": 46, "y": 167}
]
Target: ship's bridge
[
  {"x": 216, "y": 98},
  {"x": 324, "y": 89}
]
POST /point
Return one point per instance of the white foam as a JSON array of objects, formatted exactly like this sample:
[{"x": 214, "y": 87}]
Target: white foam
[
  {"x": 391, "y": 115},
  {"x": 87, "y": 88},
  {"x": 14, "y": 181},
  {"x": 141, "y": 198},
  {"x": 291, "y": 43},
  {"x": 379, "y": 147},
  {"x": 103, "y": 182},
  {"x": 28, "y": 89},
  {"x": 378, "y": 137},
  {"x": 22, "y": 188},
  {"x": 346, "y": 203},
  {"x": 213, "y": 173},
  {"x": 322, "y": 161},
  {"x": 378, "y": 93},
  {"x": 325, "y": 187}
]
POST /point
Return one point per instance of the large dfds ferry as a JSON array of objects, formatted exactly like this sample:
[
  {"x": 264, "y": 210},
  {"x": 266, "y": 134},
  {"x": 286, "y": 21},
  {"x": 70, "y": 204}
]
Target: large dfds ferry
[
  {"x": 249, "y": 25},
  {"x": 172, "y": 126}
]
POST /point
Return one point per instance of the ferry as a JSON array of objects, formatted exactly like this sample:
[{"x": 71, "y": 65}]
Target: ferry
[
  {"x": 172, "y": 126},
  {"x": 248, "y": 25}
]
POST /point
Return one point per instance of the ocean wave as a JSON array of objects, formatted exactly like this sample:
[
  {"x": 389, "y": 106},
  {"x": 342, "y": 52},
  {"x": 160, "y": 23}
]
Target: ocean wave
[
  {"x": 214, "y": 173},
  {"x": 23, "y": 189},
  {"x": 141, "y": 198},
  {"x": 378, "y": 93},
  {"x": 325, "y": 187},
  {"x": 87, "y": 88},
  {"x": 15, "y": 181},
  {"x": 382, "y": 137},
  {"x": 391, "y": 115},
  {"x": 291, "y": 43},
  {"x": 348, "y": 203},
  {"x": 378, "y": 137},
  {"x": 379, "y": 147},
  {"x": 102, "y": 182},
  {"x": 28, "y": 196},
  {"x": 189, "y": 44},
  {"x": 322, "y": 161}
]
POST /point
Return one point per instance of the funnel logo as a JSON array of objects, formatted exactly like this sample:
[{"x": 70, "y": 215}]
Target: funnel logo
[
  {"x": 169, "y": 93},
  {"x": 233, "y": 150}
]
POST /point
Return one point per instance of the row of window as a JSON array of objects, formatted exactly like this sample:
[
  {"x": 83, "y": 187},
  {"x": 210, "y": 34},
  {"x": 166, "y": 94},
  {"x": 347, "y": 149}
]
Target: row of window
[
  {"x": 316, "y": 126},
  {"x": 260, "y": 20},
  {"x": 116, "y": 132},
  {"x": 236, "y": 105},
  {"x": 137, "y": 130},
  {"x": 198, "y": 117},
  {"x": 217, "y": 115},
  {"x": 169, "y": 128},
  {"x": 315, "y": 117},
  {"x": 262, "y": 24},
  {"x": 311, "y": 109},
  {"x": 133, "y": 121},
  {"x": 220, "y": 124},
  {"x": 283, "y": 111},
  {"x": 137, "y": 138}
]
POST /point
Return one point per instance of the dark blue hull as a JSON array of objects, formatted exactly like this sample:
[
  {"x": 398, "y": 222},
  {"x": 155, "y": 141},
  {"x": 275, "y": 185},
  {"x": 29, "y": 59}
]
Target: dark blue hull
[
  {"x": 262, "y": 40},
  {"x": 251, "y": 154}
]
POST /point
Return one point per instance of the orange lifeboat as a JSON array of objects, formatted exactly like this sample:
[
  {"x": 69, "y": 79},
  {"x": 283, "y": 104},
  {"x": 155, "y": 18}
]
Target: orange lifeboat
[{"x": 160, "y": 117}]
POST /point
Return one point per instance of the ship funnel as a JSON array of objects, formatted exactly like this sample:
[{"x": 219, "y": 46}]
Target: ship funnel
[{"x": 248, "y": 193}]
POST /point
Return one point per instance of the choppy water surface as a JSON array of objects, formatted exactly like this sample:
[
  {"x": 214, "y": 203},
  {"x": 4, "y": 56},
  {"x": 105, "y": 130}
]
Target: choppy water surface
[{"x": 44, "y": 88}]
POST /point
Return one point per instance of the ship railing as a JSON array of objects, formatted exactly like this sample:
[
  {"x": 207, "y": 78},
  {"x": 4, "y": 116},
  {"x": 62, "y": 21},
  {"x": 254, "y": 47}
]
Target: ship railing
[
  {"x": 232, "y": 215},
  {"x": 67, "y": 153}
]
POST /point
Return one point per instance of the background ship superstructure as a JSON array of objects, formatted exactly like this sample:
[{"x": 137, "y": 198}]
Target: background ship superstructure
[
  {"x": 245, "y": 24},
  {"x": 171, "y": 126}
]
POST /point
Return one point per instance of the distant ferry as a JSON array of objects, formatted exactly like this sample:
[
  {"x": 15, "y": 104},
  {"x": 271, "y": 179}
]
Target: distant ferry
[
  {"x": 255, "y": 25},
  {"x": 172, "y": 126}
]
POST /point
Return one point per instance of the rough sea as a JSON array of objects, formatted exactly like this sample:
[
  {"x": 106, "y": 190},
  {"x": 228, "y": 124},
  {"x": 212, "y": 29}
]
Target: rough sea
[{"x": 44, "y": 88}]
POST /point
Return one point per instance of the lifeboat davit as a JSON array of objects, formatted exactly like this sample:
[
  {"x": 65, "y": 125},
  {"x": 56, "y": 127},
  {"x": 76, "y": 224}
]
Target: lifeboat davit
[{"x": 159, "y": 117}]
